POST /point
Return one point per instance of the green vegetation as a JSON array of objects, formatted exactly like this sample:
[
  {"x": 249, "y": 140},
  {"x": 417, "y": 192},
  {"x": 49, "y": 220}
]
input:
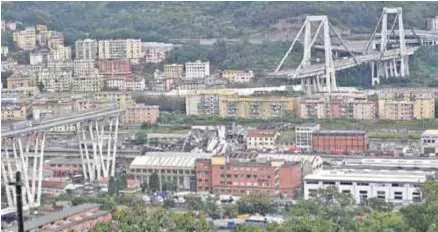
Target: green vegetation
[
  {"x": 329, "y": 210},
  {"x": 161, "y": 21}
]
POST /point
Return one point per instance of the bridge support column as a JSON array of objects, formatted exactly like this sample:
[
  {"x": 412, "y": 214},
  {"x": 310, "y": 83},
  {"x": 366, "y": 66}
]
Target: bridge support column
[
  {"x": 375, "y": 73},
  {"x": 396, "y": 72},
  {"x": 15, "y": 157},
  {"x": 98, "y": 164}
]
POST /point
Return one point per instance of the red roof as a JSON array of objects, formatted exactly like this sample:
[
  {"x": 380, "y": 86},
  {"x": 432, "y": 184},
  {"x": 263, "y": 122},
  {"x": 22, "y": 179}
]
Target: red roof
[{"x": 54, "y": 184}]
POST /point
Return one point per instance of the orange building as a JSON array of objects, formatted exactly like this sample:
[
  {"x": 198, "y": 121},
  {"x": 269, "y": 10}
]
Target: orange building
[
  {"x": 139, "y": 114},
  {"x": 340, "y": 142},
  {"x": 234, "y": 177}
]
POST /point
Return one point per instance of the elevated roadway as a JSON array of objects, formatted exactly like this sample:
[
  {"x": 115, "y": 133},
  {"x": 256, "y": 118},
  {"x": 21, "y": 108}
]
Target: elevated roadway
[
  {"x": 72, "y": 118},
  {"x": 319, "y": 69}
]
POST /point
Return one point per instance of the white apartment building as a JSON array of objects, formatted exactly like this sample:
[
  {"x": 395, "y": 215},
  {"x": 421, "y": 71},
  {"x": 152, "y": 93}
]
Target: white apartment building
[
  {"x": 86, "y": 49},
  {"x": 59, "y": 64},
  {"x": 116, "y": 82},
  {"x": 429, "y": 142},
  {"x": 5, "y": 51},
  {"x": 156, "y": 52},
  {"x": 432, "y": 23},
  {"x": 61, "y": 53},
  {"x": 35, "y": 58},
  {"x": 238, "y": 76},
  {"x": 120, "y": 49},
  {"x": 56, "y": 80},
  {"x": 84, "y": 67},
  {"x": 197, "y": 69},
  {"x": 135, "y": 84},
  {"x": 398, "y": 187}
]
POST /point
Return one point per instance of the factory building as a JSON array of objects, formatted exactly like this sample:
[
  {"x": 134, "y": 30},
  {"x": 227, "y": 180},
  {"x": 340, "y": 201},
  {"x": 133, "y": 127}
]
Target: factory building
[
  {"x": 303, "y": 136},
  {"x": 398, "y": 187},
  {"x": 176, "y": 167}
]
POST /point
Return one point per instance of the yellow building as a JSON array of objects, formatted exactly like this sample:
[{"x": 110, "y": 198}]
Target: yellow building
[
  {"x": 19, "y": 80},
  {"x": 119, "y": 49},
  {"x": 25, "y": 39},
  {"x": 61, "y": 53},
  {"x": 406, "y": 105},
  {"x": 119, "y": 98},
  {"x": 255, "y": 106},
  {"x": 173, "y": 70},
  {"x": 14, "y": 112}
]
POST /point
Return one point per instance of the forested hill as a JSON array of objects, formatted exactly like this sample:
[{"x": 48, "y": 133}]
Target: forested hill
[{"x": 160, "y": 21}]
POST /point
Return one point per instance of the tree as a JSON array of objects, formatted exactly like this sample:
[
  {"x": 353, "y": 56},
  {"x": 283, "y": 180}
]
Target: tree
[
  {"x": 41, "y": 86},
  {"x": 170, "y": 186},
  {"x": 194, "y": 202},
  {"x": 154, "y": 182},
  {"x": 381, "y": 221},
  {"x": 229, "y": 210},
  {"x": 112, "y": 186},
  {"x": 377, "y": 204},
  {"x": 144, "y": 186},
  {"x": 254, "y": 203}
]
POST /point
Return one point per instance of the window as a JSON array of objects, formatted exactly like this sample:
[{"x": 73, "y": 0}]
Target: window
[
  {"x": 329, "y": 183},
  {"x": 416, "y": 197},
  {"x": 346, "y": 191},
  {"x": 398, "y": 196},
  {"x": 346, "y": 183},
  {"x": 312, "y": 182},
  {"x": 362, "y": 184},
  {"x": 312, "y": 192},
  {"x": 381, "y": 195},
  {"x": 396, "y": 185}
]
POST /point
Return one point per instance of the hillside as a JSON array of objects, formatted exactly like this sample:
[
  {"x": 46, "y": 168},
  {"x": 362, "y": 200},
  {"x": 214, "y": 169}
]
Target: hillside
[{"x": 161, "y": 21}]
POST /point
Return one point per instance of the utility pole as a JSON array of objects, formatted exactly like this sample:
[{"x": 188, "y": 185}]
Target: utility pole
[{"x": 19, "y": 199}]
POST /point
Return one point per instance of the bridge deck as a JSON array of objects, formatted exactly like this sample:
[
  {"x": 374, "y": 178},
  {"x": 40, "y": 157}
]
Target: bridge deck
[
  {"x": 319, "y": 69},
  {"x": 63, "y": 120}
]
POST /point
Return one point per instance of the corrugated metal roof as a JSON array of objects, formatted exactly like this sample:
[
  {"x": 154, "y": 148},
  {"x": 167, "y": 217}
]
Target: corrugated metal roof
[{"x": 168, "y": 159}]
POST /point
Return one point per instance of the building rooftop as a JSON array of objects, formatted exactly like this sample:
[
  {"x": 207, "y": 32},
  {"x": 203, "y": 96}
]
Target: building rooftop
[
  {"x": 430, "y": 133},
  {"x": 333, "y": 132},
  {"x": 66, "y": 212},
  {"x": 367, "y": 175},
  {"x": 313, "y": 159},
  {"x": 168, "y": 159},
  {"x": 261, "y": 133}
]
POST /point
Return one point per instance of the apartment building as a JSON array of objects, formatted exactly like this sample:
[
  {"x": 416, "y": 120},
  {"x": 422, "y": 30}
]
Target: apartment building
[
  {"x": 23, "y": 93},
  {"x": 39, "y": 28},
  {"x": 174, "y": 71},
  {"x": 5, "y": 51},
  {"x": 238, "y": 76},
  {"x": 156, "y": 52},
  {"x": 41, "y": 56},
  {"x": 13, "y": 112},
  {"x": 429, "y": 142},
  {"x": 19, "y": 79},
  {"x": 86, "y": 49},
  {"x": 57, "y": 80},
  {"x": 120, "y": 49},
  {"x": 176, "y": 167},
  {"x": 197, "y": 69},
  {"x": 261, "y": 139},
  {"x": 118, "y": 98},
  {"x": 25, "y": 39},
  {"x": 399, "y": 187},
  {"x": 115, "y": 67},
  {"x": 128, "y": 83},
  {"x": 90, "y": 83},
  {"x": 408, "y": 105},
  {"x": 61, "y": 53},
  {"x": 206, "y": 105},
  {"x": 256, "y": 106},
  {"x": 139, "y": 114},
  {"x": 340, "y": 141},
  {"x": 276, "y": 178},
  {"x": 84, "y": 67},
  {"x": 60, "y": 64},
  {"x": 432, "y": 23},
  {"x": 55, "y": 40},
  {"x": 337, "y": 106}
]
